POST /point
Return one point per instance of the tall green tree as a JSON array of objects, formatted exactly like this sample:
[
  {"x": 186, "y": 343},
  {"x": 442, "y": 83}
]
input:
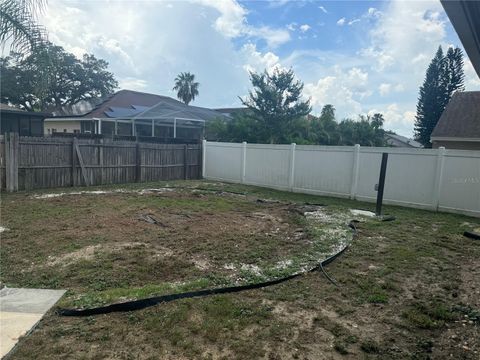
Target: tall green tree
[
  {"x": 454, "y": 76},
  {"x": 18, "y": 25},
  {"x": 51, "y": 78},
  {"x": 276, "y": 103},
  {"x": 325, "y": 127},
  {"x": 366, "y": 131},
  {"x": 444, "y": 76},
  {"x": 186, "y": 87}
]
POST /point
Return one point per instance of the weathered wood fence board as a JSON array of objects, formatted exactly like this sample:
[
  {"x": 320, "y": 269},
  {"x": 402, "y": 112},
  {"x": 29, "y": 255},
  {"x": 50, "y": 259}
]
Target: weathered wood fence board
[{"x": 32, "y": 163}]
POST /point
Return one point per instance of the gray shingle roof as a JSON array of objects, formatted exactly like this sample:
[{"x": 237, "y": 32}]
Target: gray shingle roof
[{"x": 461, "y": 117}]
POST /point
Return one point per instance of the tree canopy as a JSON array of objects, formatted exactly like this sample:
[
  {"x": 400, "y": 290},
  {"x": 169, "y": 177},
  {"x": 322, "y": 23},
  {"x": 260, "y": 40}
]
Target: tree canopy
[
  {"x": 275, "y": 104},
  {"x": 276, "y": 113},
  {"x": 321, "y": 130},
  {"x": 186, "y": 87},
  {"x": 51, "y": 78},
  {"x": 443, "y": 77}
]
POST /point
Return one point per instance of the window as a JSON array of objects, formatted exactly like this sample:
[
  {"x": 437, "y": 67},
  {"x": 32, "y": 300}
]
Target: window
[
  {"x": 54, "y": 131},
  {"x": 36, "y": 126},
  {"x": 24, "y": 128},
  {"x": 76, "y": 131}
]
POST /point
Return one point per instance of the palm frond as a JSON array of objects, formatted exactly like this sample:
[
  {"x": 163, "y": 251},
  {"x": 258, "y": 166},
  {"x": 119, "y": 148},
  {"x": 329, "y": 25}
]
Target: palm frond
[{"x": 18, "y": 25}]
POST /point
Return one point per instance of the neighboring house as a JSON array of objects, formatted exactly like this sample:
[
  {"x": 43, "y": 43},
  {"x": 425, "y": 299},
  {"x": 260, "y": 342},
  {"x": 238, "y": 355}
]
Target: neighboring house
[
  {"x": 459, "y": 125},
  {"x": 401, "y": 141},
  {"x": 133, "y": 113},
  {"x": 25, "y": 123}
]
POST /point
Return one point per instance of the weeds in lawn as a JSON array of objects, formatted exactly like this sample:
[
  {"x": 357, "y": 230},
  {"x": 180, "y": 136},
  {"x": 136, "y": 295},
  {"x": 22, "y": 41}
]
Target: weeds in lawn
[{"x": 407, "y": 288}]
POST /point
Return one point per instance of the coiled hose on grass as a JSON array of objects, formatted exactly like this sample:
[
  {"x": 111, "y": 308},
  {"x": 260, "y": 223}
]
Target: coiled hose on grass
[{"x": 152, "y": 301}]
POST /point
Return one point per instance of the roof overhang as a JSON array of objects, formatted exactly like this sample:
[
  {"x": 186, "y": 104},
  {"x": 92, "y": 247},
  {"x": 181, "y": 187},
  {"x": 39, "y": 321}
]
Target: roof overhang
[
  {"x": 465, "y": 18},
  {"x": 26, "y": 113},
  {"x": 452, "y": 138}
]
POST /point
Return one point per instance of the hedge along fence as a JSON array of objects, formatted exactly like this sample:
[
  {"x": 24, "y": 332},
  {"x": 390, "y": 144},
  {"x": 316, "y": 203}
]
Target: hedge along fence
[
  {"x": 435, "y": 179},
  {"x": 34, "y": 162}
]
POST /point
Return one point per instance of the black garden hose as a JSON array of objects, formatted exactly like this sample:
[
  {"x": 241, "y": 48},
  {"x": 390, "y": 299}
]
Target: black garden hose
[
  {"x": 472, "y": 235},
  {"x": 152, "y": 301}
]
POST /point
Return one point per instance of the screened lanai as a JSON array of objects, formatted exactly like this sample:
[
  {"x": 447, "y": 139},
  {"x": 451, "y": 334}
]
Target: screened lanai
[{"x": 165, "y": 120}]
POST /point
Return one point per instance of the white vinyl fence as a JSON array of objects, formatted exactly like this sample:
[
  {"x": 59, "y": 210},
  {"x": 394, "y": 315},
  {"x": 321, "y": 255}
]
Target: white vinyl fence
[{"x": 435, "y": 179}]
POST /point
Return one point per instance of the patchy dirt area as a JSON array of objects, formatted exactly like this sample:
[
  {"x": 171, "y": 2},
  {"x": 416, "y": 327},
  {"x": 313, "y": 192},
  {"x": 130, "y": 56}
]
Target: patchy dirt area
[{"x": 407, "y": 289}]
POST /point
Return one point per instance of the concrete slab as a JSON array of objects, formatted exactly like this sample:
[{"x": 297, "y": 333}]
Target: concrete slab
[
  {"x": 20, "y": 311},
  {"x": 36, "y": 301},
  {"x": 13, "y": 326}
]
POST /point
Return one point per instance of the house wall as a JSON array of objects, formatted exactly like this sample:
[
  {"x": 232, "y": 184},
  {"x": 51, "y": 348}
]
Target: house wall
[
  {"x": 436, "y": 179},
  {"x": 460, "y": 145},
  {"x": 61, "y": 126}
]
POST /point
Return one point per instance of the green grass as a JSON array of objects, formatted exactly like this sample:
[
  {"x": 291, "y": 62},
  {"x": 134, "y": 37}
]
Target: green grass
[{"x": 404, "y": 288}]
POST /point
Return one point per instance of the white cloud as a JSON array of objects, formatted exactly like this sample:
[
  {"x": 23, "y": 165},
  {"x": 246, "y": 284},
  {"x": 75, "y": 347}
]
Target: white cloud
[
  {"x": 304, "y": 28},
  {"x": 373, "y": 13},
  {"x": 344, "y": 88},
  {"x": 387, "y": 88},
  {"x": 341, "y": 21},
  {"x": 232, "y": 23},
  {"x": 472, "y": 80},
  {"x": 323, "y": 9},
  {"x": 351, "y": 22},
  {"x": 273, "y": 37},
  {"x": 138, "y": 50},
  {"x": 292, "y": 26},
  {"x": 397, "y": 120},
  {"x": 256, "y": 61},
  {"x": 384, "y": 89},
  {"x": 327, "y": 90},
  {"x": 132, "y": 83},
  {"x": 407, "y": 33}
]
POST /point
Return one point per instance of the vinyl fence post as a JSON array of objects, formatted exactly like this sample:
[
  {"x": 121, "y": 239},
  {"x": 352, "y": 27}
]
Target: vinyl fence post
[
  {"x": 291, "y": 177},
  {"x": 204, "y": 157},
  {"x": 244, "y": 162},
  {"x": 356, "y": 159},
  {"x": 438, "y": 178}
]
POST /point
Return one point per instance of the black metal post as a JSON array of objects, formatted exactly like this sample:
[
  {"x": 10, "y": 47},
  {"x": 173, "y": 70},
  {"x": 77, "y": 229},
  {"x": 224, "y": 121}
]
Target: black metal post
[{"x": 381, "y": 184}]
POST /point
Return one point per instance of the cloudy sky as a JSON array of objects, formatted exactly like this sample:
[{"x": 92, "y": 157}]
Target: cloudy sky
[{"x": 360, "y": 56}]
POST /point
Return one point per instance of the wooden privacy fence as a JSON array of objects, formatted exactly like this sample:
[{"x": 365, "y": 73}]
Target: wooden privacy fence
[{"x": 32, "y": 163}]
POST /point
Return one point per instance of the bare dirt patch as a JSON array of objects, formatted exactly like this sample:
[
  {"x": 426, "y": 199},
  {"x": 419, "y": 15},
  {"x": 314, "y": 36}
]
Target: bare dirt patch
[{"x": 407, "y": 289}]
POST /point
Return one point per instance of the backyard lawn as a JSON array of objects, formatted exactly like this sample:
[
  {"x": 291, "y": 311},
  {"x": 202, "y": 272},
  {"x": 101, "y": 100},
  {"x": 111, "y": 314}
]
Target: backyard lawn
[{"x": 408, "y": 288}]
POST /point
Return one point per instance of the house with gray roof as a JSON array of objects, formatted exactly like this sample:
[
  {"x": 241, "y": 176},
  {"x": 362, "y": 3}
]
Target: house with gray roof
[
  {"x": 133, "y": 113},
  {"x": 459, "y": 125},
  {"x": 395, "y": 140}
]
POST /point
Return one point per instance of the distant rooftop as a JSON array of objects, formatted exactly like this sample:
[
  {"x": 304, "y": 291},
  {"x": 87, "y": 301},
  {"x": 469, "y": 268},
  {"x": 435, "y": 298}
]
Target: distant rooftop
[
  {"x": 8, "y": 107},
  {"x": 128, "y": 104},
  {"x": 403, "y": 140}
]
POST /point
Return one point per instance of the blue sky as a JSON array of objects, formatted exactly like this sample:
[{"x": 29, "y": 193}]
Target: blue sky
[{"x": 360, "y": 56}]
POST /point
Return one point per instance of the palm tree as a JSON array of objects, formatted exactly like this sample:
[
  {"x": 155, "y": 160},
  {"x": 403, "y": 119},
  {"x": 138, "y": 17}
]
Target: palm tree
[
  {"x": 186, "y": 87},
  {"x": 18, "y": 25}
]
